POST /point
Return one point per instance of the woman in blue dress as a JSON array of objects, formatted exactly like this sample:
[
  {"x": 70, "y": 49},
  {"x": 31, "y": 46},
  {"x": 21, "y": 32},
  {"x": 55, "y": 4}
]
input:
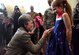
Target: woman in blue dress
[{"x": 60, "y": 40}]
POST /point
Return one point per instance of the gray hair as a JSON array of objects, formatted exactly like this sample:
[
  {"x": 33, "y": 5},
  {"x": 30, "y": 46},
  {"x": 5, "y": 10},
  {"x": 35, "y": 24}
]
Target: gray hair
[
  {"x": 25, "y": 16},
  {"x": 24, "y": 19}
]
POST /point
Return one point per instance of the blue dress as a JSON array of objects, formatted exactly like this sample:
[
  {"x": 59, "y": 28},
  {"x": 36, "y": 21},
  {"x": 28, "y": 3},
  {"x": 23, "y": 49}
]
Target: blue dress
[{"x": 58, "y": 44}]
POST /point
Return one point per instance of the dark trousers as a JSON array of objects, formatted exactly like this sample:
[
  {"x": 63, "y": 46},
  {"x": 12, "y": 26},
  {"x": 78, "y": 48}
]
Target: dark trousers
[{"x": 75, "y": 41}]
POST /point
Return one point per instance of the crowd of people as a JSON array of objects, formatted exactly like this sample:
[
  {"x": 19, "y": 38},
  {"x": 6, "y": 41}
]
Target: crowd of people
[{"x": 54, "y": 33}]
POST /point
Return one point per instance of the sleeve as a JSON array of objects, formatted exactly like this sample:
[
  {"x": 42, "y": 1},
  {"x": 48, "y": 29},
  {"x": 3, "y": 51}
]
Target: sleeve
[{"x": 28, "y": 44}]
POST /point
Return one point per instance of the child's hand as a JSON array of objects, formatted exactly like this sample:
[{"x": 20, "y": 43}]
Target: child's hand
[{"x": 46, "y": 33}]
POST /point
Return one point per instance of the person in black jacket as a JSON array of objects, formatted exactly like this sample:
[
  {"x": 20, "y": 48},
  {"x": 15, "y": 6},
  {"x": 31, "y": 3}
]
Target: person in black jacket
[
  {"x": 75, "y": 38},
  {"x": 15, "y": 17}
]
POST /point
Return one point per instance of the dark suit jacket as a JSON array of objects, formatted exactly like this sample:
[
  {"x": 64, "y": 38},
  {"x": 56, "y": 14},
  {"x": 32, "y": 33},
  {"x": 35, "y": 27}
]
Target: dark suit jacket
[{"x": 21, "y": 44}]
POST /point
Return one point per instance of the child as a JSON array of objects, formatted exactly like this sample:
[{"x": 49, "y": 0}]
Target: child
[{"x": 60, "y": 41}]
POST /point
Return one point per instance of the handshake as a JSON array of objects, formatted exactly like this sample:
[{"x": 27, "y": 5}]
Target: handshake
[{"x": 47, "y": 32}]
